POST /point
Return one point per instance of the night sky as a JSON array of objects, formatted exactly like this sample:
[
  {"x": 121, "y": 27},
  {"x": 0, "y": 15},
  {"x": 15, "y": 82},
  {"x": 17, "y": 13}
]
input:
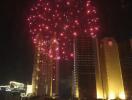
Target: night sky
[{"x": 16, "y": 49}]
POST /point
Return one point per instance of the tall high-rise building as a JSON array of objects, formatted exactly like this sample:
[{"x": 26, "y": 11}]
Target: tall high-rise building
[
  {"x": 110, "y": 70},
  {"x": 125, "y": 48},
  {"x": 54, "y": 68},
  {"x": 65, "y": 79},
  {"x": 85, "y": 62},
  {"x": 39, "y": 74},
  {"x": 45, "y": 72}
]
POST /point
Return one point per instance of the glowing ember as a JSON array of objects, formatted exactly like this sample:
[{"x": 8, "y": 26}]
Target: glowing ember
[{"x": 64, "y": 20}]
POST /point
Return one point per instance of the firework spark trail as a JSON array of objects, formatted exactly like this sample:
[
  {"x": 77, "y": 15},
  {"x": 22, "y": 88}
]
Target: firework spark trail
[{"x": 58, "y": 22}]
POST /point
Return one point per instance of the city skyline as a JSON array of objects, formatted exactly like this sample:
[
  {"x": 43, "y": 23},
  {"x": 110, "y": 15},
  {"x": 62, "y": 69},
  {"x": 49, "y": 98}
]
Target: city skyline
[
  {"x": 105, "y": 66},
  {"x": 53, "y": 26},
  {"x": 17, "y": 49}
]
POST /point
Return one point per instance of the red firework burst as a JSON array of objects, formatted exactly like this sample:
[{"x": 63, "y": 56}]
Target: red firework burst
[{"x": 55, "y": 23}]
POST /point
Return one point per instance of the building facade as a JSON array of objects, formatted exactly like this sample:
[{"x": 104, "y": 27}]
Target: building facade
[
  {"x": 45, "y": 72},
  {"x": 125, "y": 48},
  {"x": 111, "y": 74},
  {"x": 85, "y": 62}
]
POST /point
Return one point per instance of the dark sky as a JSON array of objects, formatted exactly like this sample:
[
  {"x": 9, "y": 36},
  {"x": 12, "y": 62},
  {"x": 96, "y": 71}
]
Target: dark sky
[{"x": 16, "y": 50}]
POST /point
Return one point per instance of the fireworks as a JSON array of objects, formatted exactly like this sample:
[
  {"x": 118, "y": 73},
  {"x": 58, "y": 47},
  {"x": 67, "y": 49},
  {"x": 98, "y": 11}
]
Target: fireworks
[{"x": 55, "y": 23}]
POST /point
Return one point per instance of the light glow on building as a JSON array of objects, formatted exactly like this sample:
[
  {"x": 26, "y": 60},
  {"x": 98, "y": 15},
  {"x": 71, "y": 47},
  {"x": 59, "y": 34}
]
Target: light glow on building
[
  {"x": 29, "y": 89},
  {"x": 122, "y": 95},
  {"x": 112, "y": 95},
  {"x": 99, "y": 85},
  {"x": 77, "y": 92},
  {"x": 100, "y": 94},
  {"x": 110, "y": 70},
  {"x": 131, "y": 43}
]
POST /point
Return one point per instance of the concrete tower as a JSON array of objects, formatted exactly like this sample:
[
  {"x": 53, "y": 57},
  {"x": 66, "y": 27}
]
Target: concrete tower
[
  {"x": 125, "y": 48},
  {"x": 111, "y": 74},
  {"x": 39, "y": 72},
  {"x": 46, "y": 71},
  {"x": 85, "y": 62},
  {"x": 54, "y": 68}
]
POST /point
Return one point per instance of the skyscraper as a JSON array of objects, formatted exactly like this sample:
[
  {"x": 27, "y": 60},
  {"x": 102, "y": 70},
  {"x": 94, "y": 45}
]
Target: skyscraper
[
  {"x": 125, "y": 48},
  {"x": 111, "y": 74},
  {"x": 39, "y": 74},
  {"x": 46, "y": 71},
  {"x": 54, "y": 67},
  {"x": 85, "y": 62}
]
